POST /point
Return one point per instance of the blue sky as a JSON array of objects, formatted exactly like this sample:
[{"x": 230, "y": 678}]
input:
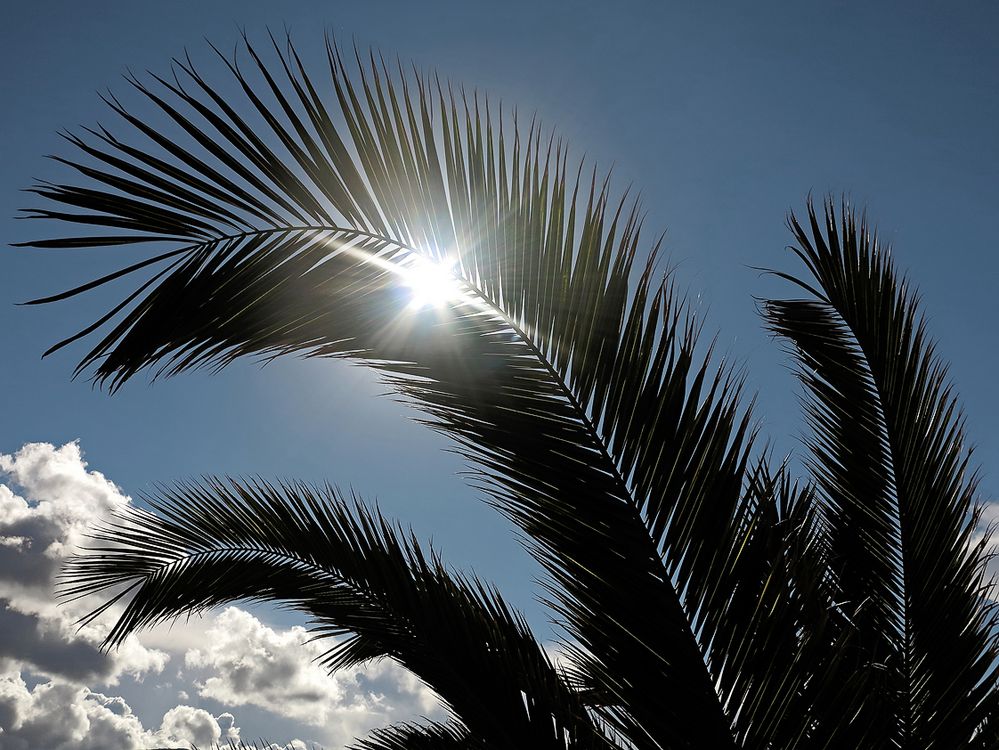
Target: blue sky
[{"x": 723, "y": 116}]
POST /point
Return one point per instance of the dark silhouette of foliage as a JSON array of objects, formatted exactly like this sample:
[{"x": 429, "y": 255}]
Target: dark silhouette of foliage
[{"x": 708, "y": 599}]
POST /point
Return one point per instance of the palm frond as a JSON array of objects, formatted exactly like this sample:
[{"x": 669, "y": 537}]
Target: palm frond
[
  {"x": 897, "y": 497},
  {"x": 773, "y": 612},
  {"x": 581, "y": 397},
  {"x": 359, "y": 579},
  {"x": 418, "y": 737}
]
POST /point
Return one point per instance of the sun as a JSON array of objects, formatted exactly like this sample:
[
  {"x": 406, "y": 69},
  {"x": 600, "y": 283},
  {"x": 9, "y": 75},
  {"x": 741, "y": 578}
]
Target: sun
[{"x": 431, "y": 284}]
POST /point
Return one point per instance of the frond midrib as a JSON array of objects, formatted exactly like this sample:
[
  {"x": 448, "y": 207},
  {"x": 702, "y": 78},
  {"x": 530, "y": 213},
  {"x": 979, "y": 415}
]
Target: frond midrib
[
  {"x": 592, "y": 433},
  {"x": 235, "y": 549}
]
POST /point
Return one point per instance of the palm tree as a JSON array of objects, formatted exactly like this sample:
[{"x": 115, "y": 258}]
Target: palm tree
[{"x": 708, "y": 599}]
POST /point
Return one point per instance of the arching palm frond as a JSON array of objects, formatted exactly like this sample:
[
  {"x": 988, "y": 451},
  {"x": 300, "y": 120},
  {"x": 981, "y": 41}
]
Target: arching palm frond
[
  {"x": 357, "y": 577},
  {"x": 892, "y": 471},
  {"x": 596, "y": 426}
]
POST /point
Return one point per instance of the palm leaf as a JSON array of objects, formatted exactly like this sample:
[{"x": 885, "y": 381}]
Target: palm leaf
[
  {"x": 774, "y": 613},
  {"x": 897, "y": 497},
  {"x": 356, "y": 576},
  {"x": 418, "y": 737}
]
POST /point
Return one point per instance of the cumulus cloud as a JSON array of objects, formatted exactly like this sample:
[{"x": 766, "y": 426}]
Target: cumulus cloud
[
  {"x": 195, "y": 726},
  {"x": 58, "y": 715},
  {"x": 50, "y": 670},
  {"x": 249, "y": 663},
  {"x": 47, "y": 501},
  {"x": 39, "y": 528}
]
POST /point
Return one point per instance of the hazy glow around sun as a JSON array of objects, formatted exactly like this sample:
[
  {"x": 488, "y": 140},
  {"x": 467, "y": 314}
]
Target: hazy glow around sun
[{"x": 431, "y": 284}]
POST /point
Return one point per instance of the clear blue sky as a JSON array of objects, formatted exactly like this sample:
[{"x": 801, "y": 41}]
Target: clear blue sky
[{"x": 723, "y": 115}]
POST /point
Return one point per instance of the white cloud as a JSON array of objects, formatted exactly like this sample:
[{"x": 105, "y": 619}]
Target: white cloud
[
  {"x": 48, "y": 499},
  {"x": 48, "y": 502},
  {"x": 989, "y": 524},
  {"x": 58, "y": 715},
  {"x": 40, "y": 529},
  {"x": 249, "y": 663},
  {"x": 989, "y": 520},
  {"x": 195, "y": 726}
]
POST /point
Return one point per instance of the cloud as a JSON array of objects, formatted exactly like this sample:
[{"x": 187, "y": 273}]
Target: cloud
[
  {"x": 46, "y": 505},
  {"x": 49, "y": 647},
  {"x": 988, "y": 526},
  {"x": 195, "y": 726},
  {"x": 988, "y": 520},
  {"x": 39, "y": 529},
  {"x": 50, "y": 671},
  {"x": 249, "y": 663},
  {"x": 58, "y": 715}
]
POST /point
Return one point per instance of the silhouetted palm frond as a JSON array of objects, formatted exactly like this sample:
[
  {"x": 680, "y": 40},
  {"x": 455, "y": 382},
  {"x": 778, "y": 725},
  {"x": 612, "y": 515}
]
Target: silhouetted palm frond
[
  {"x": 418, "y": 737},
  {"x": 897, "y": 497},
  {"x": 360, "y": 581}
]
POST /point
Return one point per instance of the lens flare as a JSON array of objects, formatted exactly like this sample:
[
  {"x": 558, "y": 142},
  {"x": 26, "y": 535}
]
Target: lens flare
[{"x": 431, "y": 284}]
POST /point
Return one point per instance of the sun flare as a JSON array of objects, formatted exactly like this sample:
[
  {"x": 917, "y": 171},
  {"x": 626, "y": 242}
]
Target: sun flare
[{"x": 431, "y": 284}]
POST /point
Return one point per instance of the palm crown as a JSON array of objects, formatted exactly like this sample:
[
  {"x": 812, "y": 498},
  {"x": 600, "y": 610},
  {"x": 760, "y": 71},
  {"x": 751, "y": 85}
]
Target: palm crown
[{"x": 708, "y": 599}]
